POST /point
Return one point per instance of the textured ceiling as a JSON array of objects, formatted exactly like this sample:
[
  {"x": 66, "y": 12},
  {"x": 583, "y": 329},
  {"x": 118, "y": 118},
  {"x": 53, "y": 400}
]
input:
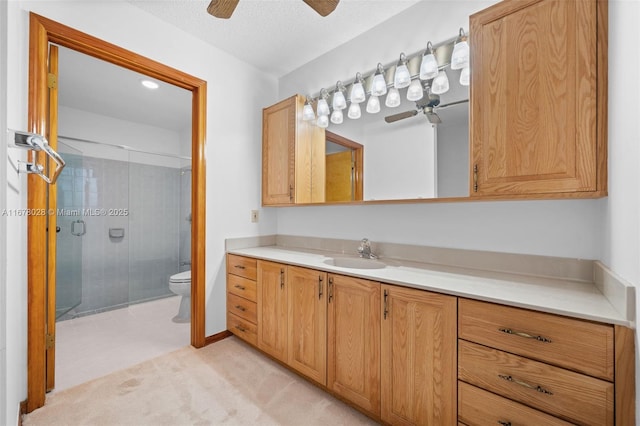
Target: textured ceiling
[{"x": 276, "y": 36}]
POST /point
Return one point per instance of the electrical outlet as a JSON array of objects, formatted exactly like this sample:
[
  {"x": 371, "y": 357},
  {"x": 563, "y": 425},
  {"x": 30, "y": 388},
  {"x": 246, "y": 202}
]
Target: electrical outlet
[{"x": 254, "y": 216}]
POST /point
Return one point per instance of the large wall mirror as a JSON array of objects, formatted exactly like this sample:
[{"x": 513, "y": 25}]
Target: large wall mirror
[{"x": 407, "y": 152}]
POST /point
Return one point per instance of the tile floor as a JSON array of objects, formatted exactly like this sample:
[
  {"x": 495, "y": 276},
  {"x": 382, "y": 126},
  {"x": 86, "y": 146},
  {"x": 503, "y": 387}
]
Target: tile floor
[{"x": 93, "y": 346}]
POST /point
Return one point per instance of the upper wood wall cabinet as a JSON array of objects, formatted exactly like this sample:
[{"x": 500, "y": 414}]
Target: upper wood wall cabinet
[
  {"x": 539, "y": 99},
  {"x": 293, "y": 155}
]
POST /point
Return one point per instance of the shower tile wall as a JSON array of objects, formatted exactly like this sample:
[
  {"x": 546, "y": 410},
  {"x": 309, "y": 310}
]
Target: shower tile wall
[{"x": 137, "y": 267}]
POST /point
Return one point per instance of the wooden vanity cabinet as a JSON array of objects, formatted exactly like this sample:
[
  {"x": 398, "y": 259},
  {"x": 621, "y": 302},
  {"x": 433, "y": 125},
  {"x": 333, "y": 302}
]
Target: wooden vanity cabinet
[
  {"x": 272, "y": 332},
  {"x": 353, "y": 341},
  {"x": 538, "y": 99},
  {"x": 241, "y": 297},
  {"x": 307, "y": 322},
  {"x": 293, "y": 155},
  {"x": 419, "y": 357},
  {"x": 556, "y": 366}
]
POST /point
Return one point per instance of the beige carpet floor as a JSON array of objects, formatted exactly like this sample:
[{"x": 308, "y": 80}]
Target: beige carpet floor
[{"x": 227, "y": 383}]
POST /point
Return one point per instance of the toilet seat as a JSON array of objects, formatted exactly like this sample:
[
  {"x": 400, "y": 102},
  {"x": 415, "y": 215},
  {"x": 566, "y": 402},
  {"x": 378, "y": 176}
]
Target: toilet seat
[{"x": 182, "y": 277}]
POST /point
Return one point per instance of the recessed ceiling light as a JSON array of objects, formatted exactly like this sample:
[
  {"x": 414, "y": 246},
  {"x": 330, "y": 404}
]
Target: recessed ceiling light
[{"x": 150, "y": 84}]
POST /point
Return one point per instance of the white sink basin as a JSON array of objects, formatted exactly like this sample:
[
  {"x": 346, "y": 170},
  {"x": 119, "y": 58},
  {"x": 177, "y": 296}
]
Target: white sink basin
[{"x": 355, "y": 263}]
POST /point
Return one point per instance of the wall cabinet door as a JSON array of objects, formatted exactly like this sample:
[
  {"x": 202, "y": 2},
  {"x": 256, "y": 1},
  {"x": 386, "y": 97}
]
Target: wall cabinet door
[
  {"x": 538, "y": 99},
  {"x": 293, "y": 155},
  {"x": 308, "y": 322},
  {"x": 272, "y": 309},
  {"x": 353, "y": 351},
  {"x": 419, "y": 357}
]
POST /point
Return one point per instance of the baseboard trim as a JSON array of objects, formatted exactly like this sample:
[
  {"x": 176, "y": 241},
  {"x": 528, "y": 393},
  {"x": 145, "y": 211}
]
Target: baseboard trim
[{"x": 217, "y": 337}]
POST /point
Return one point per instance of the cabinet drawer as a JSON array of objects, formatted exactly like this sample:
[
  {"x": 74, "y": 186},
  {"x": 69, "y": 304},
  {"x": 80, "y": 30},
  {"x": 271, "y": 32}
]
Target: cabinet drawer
[
  {"x": 241, "y": 266},
  {"x": 241, "y": 287},
  {"x": 242, "y": 307},
  {"x": 477, "y": 407},
  {"x": 563, "y": 393},
  {"x": 570, "y": 343},
  {"x": 242, "y": 328}
]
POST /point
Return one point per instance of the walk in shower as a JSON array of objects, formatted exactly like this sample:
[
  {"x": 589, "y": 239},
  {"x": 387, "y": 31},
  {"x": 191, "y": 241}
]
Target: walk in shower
[{"x": 124, "y": 226}]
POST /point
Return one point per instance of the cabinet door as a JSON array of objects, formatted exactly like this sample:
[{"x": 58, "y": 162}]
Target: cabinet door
[
  {"x": 419, "y": 357},
  {"x": 533, "y": 98},
  {"x": 354, "y": 341},
  {"x": 308, "y": 322},
  {"x": 272, "y": 309},
  {"x": 278, "y": 152}
]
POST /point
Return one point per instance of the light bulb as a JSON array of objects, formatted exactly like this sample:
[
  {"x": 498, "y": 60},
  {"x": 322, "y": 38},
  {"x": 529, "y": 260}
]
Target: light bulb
[
  {"x": 440, "y": 84},
  {"x": 339, "y": 102},
  {"x": 323, "y": 107},
  {"x": 379, "y": 85},
  {"x": 373, "y": 104},
  {"x": 429, "y": 64},
  {"x": 402, "y": 77},
  {"x": 465, "y": 76},
  {"x": 307, "y": 112},
  {"x": 393, "y": 98},
  {"x": 460, "y": 54},
  {"x": 354, "y": 111},
  {"x": 357, "y": 90},
  {"x": 337, "y": 117},
  {"x": 414, "y": 92},
  {"x": 323, "y": 121}
]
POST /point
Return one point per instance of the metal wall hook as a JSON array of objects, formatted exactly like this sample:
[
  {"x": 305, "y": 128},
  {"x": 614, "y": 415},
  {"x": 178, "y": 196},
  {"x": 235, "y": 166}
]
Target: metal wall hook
[{"x": 36, "y": 142}]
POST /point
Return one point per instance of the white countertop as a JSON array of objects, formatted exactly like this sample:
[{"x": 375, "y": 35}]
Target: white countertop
[{"x": 564, "y": 297}]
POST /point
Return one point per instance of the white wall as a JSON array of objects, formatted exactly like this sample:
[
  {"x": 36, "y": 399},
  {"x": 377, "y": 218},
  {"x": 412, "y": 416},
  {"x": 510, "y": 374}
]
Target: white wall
[
  {"x": 3, "y": 204},
  {"x": 112, "y": 131},
  {"x": 606, "y": 229},
  {"x": 232, "y": 152}
]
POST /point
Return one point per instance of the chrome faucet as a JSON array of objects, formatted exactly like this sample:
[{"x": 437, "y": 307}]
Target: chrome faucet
[{"x": 364, "y": 250}]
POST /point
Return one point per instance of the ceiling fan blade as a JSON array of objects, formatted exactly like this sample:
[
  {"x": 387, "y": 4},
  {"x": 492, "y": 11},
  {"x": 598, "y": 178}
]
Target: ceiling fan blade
[
  {"x": 222, "y": 8},
  {"x": 323, "y": 7},
  {"x": 451, "y": 104},
  {"x": 401, "y": 116},
  {"x": 432, "y": 117}
]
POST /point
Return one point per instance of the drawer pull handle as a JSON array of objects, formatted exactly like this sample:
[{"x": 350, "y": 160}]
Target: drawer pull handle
[
  {"x": 525, "y": 335},
  {"x": 239, "y": 267},
  {"x": 525, "y": 384},
  {"x": 504, "y": 423},
  {"x": 241, "y": 308},
  {"x": 240, "y": 287},
  {"x": 241, "y": 329}
]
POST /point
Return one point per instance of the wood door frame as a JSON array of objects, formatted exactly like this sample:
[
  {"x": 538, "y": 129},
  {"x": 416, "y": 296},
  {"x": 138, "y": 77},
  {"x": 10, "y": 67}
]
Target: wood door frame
[
  {"x": 43, "y": 31},
  {"x": 358, "y": 151}
]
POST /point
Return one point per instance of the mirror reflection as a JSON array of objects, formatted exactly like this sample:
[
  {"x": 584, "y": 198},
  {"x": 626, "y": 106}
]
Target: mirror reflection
[{"x": 416, "y": 150}]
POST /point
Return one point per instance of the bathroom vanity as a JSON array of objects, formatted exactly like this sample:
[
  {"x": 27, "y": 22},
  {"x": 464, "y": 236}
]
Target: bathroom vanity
[{"x": 414, "y": 343}]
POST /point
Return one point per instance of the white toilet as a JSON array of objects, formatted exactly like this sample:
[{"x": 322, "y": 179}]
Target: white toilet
[{"x": 180, "y": 284}]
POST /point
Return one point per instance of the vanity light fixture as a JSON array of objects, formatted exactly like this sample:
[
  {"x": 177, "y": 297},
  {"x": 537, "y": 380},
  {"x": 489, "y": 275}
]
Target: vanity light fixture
[
  {"x": 460, "y": 55},
  {"x": 339, "y": 101},
  {"x": 323, "y": 121},
  {"x": 440, "y": 84},
  {"x": 429, "y": 64},
  {"x": 414, "y": 92},
  {"x": 373, "y": 104},
  {"x": 307, "y": 111},
  {"x": 357, "y": 90},
  {"x": 393, "y": 98},
  {"x": 323, "y": 107},
  {"x": 465, "y": 76},
  {"x": 149, "y": 84},
  {"x": 402, "y": 77},
  {"x": 354, "y": 111},
  {"x": 337, "y": 117},
  {"x": 379, "y": 86}
]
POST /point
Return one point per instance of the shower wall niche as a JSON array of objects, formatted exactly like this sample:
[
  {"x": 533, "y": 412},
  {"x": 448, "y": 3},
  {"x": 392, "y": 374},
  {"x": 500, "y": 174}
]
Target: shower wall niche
[{"x": 125, "y": 228}]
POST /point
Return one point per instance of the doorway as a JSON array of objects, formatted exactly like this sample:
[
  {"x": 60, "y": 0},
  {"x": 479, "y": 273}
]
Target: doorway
[{"x": 41, "y": 297}]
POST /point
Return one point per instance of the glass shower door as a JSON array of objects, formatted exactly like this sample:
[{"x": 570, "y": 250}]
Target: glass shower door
[{"x": 70, "y": 231}]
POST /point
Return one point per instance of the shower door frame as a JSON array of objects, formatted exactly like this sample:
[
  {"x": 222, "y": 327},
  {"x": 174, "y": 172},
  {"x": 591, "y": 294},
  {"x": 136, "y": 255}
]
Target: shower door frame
[{"x": 43, "y": 31}]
